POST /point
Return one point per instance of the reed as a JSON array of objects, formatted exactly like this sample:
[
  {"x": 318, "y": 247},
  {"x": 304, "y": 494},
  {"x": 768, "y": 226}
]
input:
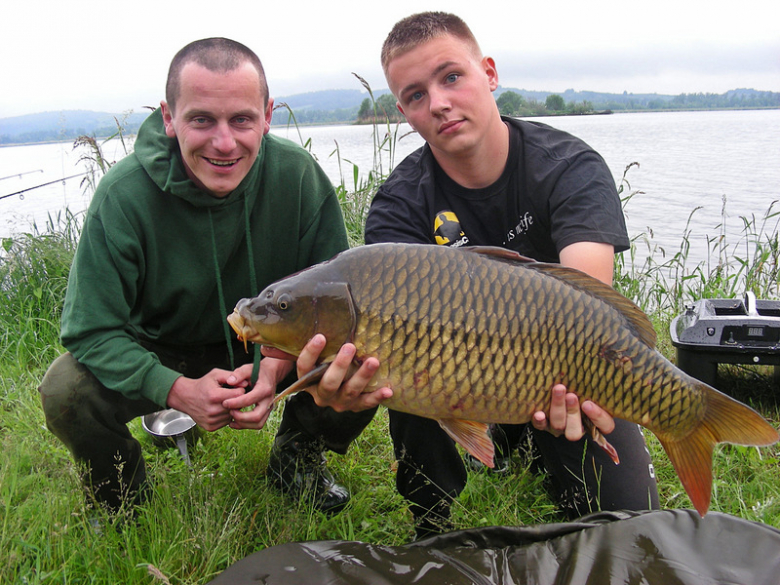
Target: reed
[
  {"x": 202, "y": 519},
  {"x": 663, "y": 282}
]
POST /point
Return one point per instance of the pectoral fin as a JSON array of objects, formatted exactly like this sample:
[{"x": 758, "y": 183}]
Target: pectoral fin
[
  {"x": 601, "y": 440},
  {"x": 472, "y": 436}
]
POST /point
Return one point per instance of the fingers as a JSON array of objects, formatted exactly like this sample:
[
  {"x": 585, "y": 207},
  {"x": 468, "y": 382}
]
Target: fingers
[
  {"x": 251, "y": 418},
  {"x": 558, "y": 413},
  {"x": 240, "y": 376},
  {"x": 574, "y": 430},
  {"x": 336, "y": 388},
  {"x": 251, "y": 410},
  {"x": 600, "y": 417},
  {"x": 337, "y": 372},
  {"x": 311, "y": 354},
  {"x": 202, "y": 398},
  {"x": 565, "y": 417},
  {"x": 342, "y": 391}
]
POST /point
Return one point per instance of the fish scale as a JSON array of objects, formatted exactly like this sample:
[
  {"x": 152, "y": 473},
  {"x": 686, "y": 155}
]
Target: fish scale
[{"x": 475, "y": 336}]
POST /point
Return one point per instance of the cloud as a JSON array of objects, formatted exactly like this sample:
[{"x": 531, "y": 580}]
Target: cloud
[
  {"x": 668, "y": 68},
  {"x": 114, "y": 57}
]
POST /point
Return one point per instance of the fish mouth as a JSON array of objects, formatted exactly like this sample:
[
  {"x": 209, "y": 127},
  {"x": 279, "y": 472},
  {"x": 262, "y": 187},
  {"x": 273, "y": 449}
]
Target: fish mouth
[{"x": 244, "y": 331}]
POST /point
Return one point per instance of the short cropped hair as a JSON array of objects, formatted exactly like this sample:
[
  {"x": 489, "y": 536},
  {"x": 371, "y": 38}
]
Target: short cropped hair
[
  {"x": 216, "y": 54},
  {"x": 420, "y": 28}
]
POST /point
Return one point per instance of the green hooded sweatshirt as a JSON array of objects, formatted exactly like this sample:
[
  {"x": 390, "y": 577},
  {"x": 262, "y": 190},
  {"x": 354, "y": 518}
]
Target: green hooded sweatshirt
[{"x": 153, "y": 245}]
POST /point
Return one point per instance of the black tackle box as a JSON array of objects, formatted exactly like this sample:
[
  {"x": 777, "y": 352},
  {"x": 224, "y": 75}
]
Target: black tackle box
[{"x": 732, "y": 331}]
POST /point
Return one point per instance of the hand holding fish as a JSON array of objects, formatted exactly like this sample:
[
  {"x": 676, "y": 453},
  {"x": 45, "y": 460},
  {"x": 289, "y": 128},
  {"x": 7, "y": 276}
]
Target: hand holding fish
[
  {"x": 566, "y": 416},
  {"x": 334, "y": 389}
]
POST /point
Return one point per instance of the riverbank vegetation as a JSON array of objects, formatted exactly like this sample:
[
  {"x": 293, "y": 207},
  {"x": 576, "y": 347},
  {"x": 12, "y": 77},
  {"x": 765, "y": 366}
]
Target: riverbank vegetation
[{"x": 202, "y": 519}]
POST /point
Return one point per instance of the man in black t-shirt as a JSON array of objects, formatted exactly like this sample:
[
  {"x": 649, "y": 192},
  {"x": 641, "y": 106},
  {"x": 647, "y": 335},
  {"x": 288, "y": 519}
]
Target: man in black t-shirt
[{"x": 481, "y": 179}]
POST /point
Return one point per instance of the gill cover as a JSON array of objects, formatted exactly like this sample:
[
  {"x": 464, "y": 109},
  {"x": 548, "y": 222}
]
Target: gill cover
[{"x": 334, "y": 315}]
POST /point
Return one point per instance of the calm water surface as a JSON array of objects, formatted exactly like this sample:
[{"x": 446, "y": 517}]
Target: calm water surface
[{"x": 686, "y": 160}]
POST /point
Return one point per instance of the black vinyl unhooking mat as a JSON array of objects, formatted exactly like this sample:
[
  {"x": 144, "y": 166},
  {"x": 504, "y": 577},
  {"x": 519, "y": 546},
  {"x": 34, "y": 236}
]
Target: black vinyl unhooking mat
[{"x": 668, "y": 547}]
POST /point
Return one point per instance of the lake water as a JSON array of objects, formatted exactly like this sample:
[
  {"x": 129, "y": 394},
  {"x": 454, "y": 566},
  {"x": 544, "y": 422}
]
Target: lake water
[{"x": 686, "y": 160}]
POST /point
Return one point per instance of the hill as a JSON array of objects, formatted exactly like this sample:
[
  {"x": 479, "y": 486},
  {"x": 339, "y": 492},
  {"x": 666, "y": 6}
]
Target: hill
[
  {"x": 65, "y": 125},
  {"x": 341, "y": 106}
]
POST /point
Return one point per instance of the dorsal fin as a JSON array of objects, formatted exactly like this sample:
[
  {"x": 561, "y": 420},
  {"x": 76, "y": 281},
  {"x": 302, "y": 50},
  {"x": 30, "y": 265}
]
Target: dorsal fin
[
  {"x": 584, "y": 282},
  {"x": 500, "y": 254}
]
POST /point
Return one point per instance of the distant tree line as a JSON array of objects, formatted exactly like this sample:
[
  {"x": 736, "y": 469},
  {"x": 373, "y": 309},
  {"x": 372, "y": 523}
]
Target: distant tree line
[
  {"x": 513, "y": 104},
  {"x": 333, "y": 107},
  {"x": 381, "y": 110},
  {"x": 734, "y": 99},
  {"x": 282, "y": 116}
]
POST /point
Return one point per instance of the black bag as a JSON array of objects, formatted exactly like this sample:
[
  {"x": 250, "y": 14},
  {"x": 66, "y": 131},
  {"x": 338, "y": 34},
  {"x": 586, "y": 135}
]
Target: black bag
[{"x": 668, "y": 547}]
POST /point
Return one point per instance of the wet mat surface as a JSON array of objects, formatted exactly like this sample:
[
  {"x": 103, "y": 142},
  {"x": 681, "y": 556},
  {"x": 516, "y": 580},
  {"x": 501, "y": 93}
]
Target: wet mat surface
[{"x": 669, "y": 547}]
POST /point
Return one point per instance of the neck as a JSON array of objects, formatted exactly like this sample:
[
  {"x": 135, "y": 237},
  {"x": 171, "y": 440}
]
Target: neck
[{"x": 483, "y": 164}]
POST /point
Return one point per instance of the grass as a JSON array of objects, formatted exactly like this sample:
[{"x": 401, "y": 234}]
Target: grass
[{"x": 201, "y": 520}]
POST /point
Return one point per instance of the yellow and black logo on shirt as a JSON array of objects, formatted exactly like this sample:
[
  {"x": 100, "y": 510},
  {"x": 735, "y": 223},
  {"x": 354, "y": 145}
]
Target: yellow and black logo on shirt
[{"x": 447, "y": 230}]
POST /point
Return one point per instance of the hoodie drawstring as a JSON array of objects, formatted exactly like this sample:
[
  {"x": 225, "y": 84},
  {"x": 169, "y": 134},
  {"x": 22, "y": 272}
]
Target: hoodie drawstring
[
  {"x": 252, "y": 283},
  {"x": 221, "y": 293}
]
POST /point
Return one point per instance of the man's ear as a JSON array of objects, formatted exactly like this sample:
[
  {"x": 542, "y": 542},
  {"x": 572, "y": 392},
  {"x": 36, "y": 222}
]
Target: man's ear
[
  {"x": 269, "y": 113},
  {"x": 167, "y": 116},
  {"x": 489, "y": 66}
]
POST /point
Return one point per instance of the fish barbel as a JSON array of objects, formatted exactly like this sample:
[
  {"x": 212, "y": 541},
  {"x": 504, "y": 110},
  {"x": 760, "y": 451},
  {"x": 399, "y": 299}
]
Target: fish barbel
[{"x": 475, "y": 336}]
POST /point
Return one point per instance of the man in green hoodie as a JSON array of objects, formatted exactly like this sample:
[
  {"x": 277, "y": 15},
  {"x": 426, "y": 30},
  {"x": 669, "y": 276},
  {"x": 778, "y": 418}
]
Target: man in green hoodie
[{"x": 208, "y": 209}]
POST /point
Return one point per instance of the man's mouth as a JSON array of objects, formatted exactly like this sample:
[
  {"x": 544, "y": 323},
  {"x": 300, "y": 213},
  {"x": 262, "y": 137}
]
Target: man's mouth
[
  {"x": 448, "y": 125},
  {"x": 222, "y": 163}
]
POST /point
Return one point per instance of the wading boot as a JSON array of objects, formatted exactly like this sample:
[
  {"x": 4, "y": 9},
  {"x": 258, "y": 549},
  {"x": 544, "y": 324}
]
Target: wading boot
[{"x": 296, "y": 466}]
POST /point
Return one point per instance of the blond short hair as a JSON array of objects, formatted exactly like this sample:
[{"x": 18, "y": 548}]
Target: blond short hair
[{"x": 420, "y": 28}]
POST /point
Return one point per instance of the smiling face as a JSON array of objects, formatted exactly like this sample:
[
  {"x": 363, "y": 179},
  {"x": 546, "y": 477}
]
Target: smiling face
[
  {"x": 444, "y": 88},
  {"x": 219, "y": 121}
]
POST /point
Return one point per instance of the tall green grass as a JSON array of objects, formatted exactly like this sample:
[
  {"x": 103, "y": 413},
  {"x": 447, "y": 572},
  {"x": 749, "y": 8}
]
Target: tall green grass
[
  {"x": 662, "y": 281},
  {"x": 202, "y": 519}
]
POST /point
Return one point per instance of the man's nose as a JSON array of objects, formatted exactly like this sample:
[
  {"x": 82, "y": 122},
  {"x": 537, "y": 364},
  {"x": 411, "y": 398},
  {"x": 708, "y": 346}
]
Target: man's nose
[
  {"x": 224, "y": 141},
  {"x": 438, "y": 100}
]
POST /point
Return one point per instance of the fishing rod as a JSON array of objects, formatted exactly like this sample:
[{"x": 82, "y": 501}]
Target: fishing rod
[
  {"x": 20, "y": 174},
  {"x": 41, "y": 185}
]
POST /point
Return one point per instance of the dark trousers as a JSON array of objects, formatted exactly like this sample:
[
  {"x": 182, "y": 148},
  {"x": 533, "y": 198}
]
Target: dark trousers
[
  {"x": 91, "y": 420},
  {"x": 431, "y": 472}
]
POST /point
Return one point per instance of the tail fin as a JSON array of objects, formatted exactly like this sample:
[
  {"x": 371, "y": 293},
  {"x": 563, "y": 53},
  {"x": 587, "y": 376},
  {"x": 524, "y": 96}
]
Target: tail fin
[{"x": 725, "y": 421}]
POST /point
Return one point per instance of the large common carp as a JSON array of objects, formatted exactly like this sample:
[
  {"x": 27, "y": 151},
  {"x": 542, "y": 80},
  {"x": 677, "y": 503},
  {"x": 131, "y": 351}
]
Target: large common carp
[{"x": 480, "y": 335}]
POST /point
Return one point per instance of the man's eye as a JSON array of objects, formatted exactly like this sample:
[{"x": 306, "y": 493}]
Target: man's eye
[
  {"x": 200, "y": 120},
  {"x": 416, "y": 96},
  {"x": 452, "y": 77}
]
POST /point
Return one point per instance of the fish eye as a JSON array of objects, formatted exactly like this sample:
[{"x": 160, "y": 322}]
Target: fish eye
[{"x": 284, "y": 302}]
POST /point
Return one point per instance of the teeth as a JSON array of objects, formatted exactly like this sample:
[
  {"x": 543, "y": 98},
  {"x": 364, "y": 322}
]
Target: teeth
[{"x": 222, "y": 163}]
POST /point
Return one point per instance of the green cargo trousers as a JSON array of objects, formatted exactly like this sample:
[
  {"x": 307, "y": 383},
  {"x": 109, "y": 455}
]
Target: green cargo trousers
[{"x": 91, "y": 420}]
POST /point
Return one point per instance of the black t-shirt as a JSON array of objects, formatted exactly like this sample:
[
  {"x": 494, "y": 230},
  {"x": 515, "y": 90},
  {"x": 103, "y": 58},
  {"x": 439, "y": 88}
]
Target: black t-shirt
[{"x": 554, "y": 191}]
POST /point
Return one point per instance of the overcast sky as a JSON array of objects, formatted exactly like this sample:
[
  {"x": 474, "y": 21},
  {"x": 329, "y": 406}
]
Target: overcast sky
[{"x": 114, "y": 56}]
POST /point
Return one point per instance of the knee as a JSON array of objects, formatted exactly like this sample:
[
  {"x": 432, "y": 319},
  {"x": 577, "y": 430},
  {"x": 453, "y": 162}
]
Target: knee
[{"x": 65, "y": 388}]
